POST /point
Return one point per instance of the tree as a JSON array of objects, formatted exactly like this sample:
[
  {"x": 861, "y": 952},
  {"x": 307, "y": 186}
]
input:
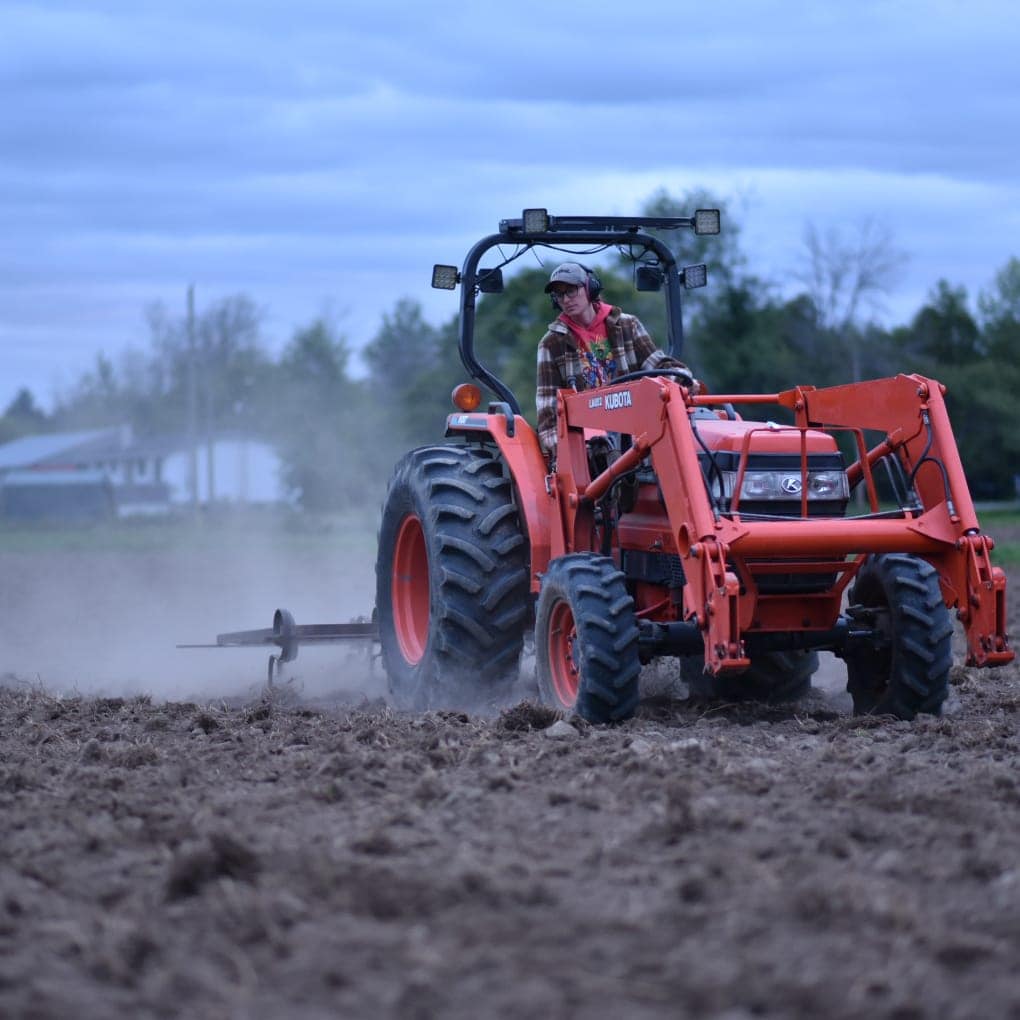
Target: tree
[
  {"x": 150, "y": 389},
  {"x": 22, "y": 417},
  {"x": 999, "y": 311},
  {"x": 96, "y": 399},
  {"x": 945, "y": 341},
  {"x": 232, "y": 364},
  {"x": 508, "y": 327},
  {"x": 721, "y": 253},
  {"x": 753, "y": 342},
  {"x": 224, "y": 349},
  {"x": 322, "y": 423},
  {"x": 943, "y": 332},
  {"x": 845, "y": 277},
  {"x": 412, "y": 368}
]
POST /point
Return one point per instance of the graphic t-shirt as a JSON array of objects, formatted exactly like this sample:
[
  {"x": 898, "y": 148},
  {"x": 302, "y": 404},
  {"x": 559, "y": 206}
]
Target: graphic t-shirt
[
  {"x": 599, "y": 363},
  {"x": 597, "y": 357}
]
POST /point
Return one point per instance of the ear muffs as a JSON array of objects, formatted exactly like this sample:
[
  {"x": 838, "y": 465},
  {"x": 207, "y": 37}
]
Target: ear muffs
[{"x": 593, "y": 285}]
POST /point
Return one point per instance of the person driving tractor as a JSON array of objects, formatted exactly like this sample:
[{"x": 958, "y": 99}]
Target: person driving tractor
[{"x": 588, "y": 345}]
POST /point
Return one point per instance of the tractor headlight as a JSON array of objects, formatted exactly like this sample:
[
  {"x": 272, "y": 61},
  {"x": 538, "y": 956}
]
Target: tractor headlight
[
  {"x": 828, "y": 485},
  {"x": 765, "y": 485},
  {"x": 784, "y": 485}
]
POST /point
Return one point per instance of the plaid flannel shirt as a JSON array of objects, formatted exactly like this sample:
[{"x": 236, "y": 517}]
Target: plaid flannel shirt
[{"x": 560, "y": 366}]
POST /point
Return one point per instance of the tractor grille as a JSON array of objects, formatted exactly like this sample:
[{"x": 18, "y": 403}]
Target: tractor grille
[{"x": 715, "y": 468}]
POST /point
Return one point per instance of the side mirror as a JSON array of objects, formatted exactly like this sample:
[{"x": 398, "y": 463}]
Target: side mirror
[
  {"x": 648, "y": 278},
  {"x": 490, "y": 281}
]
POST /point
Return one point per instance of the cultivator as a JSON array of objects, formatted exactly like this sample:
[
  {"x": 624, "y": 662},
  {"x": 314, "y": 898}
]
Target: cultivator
[{"x": 288, "y": 636}]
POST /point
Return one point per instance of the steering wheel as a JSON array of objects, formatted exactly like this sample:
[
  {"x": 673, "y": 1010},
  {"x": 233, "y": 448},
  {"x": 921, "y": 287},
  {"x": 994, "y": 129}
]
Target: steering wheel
[
  {"x": 682, "y": 373},
  {"x": 649, "y": 373}
]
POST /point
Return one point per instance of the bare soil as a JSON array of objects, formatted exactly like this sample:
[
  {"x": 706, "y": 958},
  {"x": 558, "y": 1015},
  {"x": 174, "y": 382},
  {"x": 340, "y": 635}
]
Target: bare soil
[{"x": 270, "y": 855}]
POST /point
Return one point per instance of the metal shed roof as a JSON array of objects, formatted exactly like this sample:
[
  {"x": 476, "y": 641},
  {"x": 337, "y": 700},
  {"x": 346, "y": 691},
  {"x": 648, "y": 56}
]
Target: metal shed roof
[{"x": 29, "y": 451}]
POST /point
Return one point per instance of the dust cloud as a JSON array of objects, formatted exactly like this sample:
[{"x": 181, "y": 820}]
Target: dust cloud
[
  {"x": 107, "y": 621},
  {"x": 97, "y": 621}
]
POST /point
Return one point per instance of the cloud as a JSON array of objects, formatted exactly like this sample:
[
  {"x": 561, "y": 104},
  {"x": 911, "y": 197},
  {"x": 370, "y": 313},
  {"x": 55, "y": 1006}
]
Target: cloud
[{"x": 315, "y": 152}]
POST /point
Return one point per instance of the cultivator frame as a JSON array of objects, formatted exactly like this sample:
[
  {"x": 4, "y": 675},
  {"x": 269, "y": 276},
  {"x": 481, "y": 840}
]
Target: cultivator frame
[{"x": 288, "y": 636}]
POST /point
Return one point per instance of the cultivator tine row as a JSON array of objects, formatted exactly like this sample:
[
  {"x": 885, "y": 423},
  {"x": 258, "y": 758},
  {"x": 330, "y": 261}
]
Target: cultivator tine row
[{"x": 288, "y": 636}]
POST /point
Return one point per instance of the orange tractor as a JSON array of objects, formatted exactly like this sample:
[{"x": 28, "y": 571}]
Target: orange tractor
[{"x": 671, "y": 526}]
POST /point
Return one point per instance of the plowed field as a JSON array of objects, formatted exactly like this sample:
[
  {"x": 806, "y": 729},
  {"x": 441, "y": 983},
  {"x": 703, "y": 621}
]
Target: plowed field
[{"x": 188, "y": 845}]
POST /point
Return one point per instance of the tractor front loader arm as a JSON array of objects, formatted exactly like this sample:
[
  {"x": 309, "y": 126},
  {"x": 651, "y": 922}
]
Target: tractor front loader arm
[
  {"x": 654, "y": 412},
  {"x": 911, "y": 410},
  {"x": 722, "y": 553},
  {"x": 712, "y": 597}
]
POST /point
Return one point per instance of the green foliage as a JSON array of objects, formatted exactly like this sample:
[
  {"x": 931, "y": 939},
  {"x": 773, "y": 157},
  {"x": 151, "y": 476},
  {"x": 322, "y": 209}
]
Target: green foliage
[
  {"x": 316, "y": 415},
  {"x": 211, "y": 375},
  {"x": 751, "y": 343},
  {"x": 720, "y": 252},
  {"x": 508, "y": 327},
  {"x": 1002, "y": 303},
  {"x": 339, "y": 436},
  {"x": 945, "y": 342},
  {"x": 1000, "y": 316},
  {"x": 413, "y": 366},
  {"x": 943, "y": 333},
  {"x": 22, "y": 417}
]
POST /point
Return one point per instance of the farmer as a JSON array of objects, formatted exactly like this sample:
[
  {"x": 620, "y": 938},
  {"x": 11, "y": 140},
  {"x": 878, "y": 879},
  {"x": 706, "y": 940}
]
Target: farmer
[{"x": 588, "y": 345}]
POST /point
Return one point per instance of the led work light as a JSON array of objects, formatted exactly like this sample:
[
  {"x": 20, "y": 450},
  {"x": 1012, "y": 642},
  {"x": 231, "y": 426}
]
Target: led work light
[
  {"x": 695, "y": 276},
  {"x": 535, "y": 221},
  {"x": 445, "y": 277},
  {"x": 706, "y": 221}
]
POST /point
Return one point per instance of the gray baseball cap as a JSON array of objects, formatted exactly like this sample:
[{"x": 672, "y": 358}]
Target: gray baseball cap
[{"x": 570, "y": 273}]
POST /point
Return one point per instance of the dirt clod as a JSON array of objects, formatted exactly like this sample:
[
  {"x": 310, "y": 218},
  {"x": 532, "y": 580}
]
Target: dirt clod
[
  {"x": 527, "y": 716},
  {"x": 218, "y": 855}
]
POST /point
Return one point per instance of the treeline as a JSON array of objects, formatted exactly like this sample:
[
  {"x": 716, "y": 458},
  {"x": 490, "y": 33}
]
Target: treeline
[{"x": 339, "y": 432}]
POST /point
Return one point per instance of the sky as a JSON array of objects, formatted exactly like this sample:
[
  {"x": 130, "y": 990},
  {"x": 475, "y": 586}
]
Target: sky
[{"x": 320, "y": 155}]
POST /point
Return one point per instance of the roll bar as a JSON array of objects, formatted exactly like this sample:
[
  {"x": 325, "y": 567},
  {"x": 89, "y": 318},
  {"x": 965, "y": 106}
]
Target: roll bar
[{"x": 609, "y": 231}]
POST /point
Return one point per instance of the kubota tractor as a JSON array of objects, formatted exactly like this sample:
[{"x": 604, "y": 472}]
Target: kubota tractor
[{"x": 671, "y": 526}]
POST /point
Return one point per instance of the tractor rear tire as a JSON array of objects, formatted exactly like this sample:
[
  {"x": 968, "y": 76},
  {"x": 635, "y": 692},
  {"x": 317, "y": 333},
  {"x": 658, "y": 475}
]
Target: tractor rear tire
[
  {"x": 452, "y": 592},
  {"x": 910, "y": 674},
  {"x": 772, "y": 677},
  {"x": 586, "y": 639}
]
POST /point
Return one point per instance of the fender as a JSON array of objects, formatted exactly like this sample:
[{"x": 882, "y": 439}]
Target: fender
[{"x": 518, "y": 444}]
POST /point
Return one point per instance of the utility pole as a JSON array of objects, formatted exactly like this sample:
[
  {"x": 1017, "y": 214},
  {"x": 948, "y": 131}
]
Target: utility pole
[
  {"x": 192, "y": 403},
  {"x": 210, "y": 436}
]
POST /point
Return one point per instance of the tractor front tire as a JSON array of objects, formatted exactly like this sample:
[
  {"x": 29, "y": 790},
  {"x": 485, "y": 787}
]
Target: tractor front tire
[
  {"x": 772, "y": 677},
  {"x": 451, "y": 580},
  {"x": 910, "y": 672},
  {"x": 586, "y": 639}
]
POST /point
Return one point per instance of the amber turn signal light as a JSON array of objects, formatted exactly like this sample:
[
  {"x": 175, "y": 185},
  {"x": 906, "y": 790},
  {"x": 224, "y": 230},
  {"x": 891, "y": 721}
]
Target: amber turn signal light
[{"x": 466, "y": 397}]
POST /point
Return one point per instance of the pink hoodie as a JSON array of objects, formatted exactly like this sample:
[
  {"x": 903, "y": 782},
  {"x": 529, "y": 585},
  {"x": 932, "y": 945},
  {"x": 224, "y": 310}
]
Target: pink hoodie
[{"x": 586, "y": 335}]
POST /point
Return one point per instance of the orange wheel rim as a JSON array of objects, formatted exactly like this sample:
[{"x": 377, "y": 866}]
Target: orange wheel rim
[
  {"x": 562, "y": 662},
  {"x": 409, "y": 590}
]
